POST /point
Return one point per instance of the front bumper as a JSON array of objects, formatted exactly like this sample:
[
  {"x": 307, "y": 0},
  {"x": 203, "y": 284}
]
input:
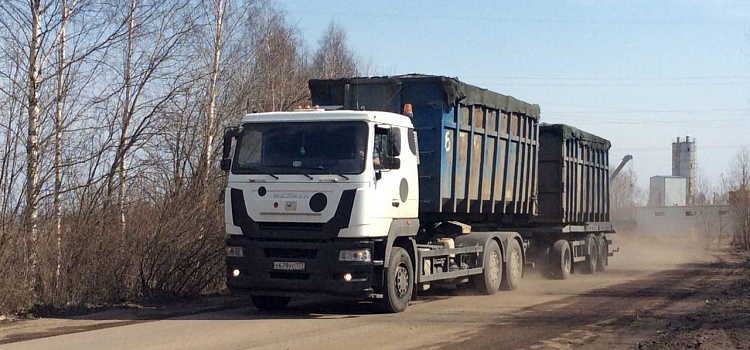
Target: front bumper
[{"x": 323, "y": 272}]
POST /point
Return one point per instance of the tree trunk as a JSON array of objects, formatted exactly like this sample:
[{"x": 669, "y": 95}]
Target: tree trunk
[
  {"x": 120, "y": 155},
  {"x": 32, "y": 144},
  {"x": 58, "y": 141},
  {"x": 211, "y": 117}
]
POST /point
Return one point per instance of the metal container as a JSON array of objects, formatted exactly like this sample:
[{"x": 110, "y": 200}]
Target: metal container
[
  {"x": 573, "y": 176},
  {"x": 477, "y": 148}
]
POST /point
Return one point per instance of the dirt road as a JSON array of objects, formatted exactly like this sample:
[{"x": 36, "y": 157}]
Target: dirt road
[{"x": 652, "y": 296}]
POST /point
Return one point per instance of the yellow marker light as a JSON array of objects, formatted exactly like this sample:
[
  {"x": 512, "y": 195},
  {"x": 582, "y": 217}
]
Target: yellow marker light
[
  {"x": 408, "y": 110},
  {"x": 347, "y": 277},
  {"x": 236, "y": 272}
]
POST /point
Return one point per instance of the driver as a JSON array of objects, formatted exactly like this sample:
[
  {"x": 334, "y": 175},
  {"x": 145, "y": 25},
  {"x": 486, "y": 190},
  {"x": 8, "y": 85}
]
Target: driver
[{"x": 362, "y": 149}]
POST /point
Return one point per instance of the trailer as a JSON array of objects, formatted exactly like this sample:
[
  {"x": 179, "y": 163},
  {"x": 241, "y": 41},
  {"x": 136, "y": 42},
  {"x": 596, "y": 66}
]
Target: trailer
[{"x": 392, "y": 184}]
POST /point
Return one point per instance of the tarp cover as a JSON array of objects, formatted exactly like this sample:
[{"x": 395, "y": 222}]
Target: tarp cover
[
  {"x": 569, "y": 132},
  {"x": 453, "y": 91}
]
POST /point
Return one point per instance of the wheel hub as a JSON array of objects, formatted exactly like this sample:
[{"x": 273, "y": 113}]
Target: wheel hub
[
  {"x": 494, "y": 267},
  {"x": 515, "y": 264},
  {"x": 566, "y": 263},
  {"x": 402, "y": 281}
]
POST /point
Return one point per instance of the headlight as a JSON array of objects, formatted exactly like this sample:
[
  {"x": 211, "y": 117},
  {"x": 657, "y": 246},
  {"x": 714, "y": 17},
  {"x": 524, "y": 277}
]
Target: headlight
[
  {"x": 235, "y": 252},
  {"x": 359, "y": 255}
]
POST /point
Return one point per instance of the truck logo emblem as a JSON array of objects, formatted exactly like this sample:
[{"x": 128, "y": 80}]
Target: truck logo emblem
[
  {"x": 290, "y": 206},
  {"x": 291, "y": 195}
]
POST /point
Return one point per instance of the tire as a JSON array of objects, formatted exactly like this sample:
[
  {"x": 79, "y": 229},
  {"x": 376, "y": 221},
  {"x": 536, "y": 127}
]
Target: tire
[
  {"x": 488, "y": 282},
  {"x": 592, "y": 255},
  {"x": 399, "y": 283},
  {"x": 560, "y": 260},
  {"x": 269, "y": 303},
  {"x": 513, "y": 267},
  {"x": 601, "y": 264}
]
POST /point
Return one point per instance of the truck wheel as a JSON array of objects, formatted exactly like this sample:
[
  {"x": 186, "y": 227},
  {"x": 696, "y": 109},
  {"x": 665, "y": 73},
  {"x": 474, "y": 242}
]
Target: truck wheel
[
  {"x": 601, "y": 264},
  {"x": 492, "y": 260},
  {"x": 592, "y": 255},
  {"x": 560, "y": 260},
  {"x": 513, "y": 267},
  {"x": 269, "y": 303},
  {"x": 399, "y": 282}
]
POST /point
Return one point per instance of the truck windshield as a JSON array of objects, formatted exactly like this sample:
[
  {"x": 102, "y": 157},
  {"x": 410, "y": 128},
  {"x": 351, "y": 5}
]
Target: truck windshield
[{"x": 301, "y": 148}]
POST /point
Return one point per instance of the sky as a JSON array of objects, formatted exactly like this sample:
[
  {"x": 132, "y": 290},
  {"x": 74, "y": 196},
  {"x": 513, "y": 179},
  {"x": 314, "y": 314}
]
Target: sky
[{"x": 638, "y": 72}]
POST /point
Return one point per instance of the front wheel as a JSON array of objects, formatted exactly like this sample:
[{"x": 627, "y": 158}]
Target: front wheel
[
  {"x": 269, "y": 303},
  {"x": 399, "y": 282},
  {"x": 513, "y": 267}
]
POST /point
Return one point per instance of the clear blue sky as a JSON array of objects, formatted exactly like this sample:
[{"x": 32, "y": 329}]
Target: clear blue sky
[{"x": 638, "y": 72}]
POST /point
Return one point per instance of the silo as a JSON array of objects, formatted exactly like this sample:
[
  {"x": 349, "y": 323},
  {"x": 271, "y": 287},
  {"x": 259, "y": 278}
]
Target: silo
[{"x": 683, "y": 164}]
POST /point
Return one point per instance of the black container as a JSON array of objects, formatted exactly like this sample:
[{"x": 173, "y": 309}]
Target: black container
[{"x": 573, "y": 176}]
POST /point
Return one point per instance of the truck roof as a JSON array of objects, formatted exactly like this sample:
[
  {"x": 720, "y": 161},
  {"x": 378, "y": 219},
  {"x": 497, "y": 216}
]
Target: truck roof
[{"x": 324, "y": 115}]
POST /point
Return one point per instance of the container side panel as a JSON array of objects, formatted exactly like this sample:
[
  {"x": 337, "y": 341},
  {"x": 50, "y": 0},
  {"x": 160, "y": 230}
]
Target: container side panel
[
  {"x": 462, "y": 152},
  {"x": 476, "y": 161},
  {"x": 446, "y": 171},
  {"x": 489, "y": 160}
]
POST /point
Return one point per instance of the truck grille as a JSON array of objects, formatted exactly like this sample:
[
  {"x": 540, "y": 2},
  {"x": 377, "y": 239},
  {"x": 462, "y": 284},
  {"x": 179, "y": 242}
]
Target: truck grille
[
  {"x": 290, "y": 226},
  {"x": 290, "y": 253}
]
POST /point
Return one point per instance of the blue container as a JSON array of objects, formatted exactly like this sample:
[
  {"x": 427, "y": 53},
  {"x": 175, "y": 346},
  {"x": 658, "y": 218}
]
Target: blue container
[{"x": 477, "y": 148}]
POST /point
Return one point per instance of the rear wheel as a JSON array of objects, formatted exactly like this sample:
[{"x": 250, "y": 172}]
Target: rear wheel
[
  {"x": 269, "y": 303},
  {"x": 399, "y": 282},
  {"x": 489, "y": 281},
  {"x": 513, "y": 267},
  {"x": 592, "y": 255},
  {"x": 560, "y": 260},
  {"x": 601, "y": 264}
]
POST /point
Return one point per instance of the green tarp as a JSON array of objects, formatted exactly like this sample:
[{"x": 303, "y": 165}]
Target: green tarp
[
  {"x": 453, "y": 91},
  {"x": 569, "y": 132}
]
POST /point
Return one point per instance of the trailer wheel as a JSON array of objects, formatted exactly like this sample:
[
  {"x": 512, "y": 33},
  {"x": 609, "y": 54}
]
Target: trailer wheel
[
  {"x": 270, "y": 303},
  {"x": 592, "y": 255},
  {"x": 513, "y": 267},
  {"x": 601, "y": 264},
  {"x": 489, "y": 281},
  {"x": 560, "y": 260},
  {"x": 399, "y": 283}
]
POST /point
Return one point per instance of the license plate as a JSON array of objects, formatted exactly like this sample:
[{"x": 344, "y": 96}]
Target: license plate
[{"x": 280, "y": 265}]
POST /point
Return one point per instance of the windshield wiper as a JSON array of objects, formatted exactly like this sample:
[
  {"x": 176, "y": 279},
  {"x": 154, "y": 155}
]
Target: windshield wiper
[
  {"x": 266, "y": 172},
  {"x": 320, "y": 167},
  {"x": 291, "y": 167}
]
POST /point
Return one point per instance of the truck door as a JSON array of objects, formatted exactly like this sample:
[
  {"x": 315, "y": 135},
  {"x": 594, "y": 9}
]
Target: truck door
[{"x": 388, "y": 176}]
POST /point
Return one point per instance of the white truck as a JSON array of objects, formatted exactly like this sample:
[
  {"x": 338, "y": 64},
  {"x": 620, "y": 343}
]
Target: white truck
[{"x": 379, "y": 205}]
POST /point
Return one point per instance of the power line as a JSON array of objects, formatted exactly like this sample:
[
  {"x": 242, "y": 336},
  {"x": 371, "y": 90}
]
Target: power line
[
  {"x": 743, "y": 110},
  {"x": 608, "y": 78},
  {"x": 620, "y": 85},
  {"x": 520, "y": 19}
]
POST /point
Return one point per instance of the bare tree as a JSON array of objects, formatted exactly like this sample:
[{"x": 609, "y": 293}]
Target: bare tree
[
  {"x": 739, "y": 197},
  {"x": 210, "y": 129},
  {"x": 58, "y": 136},
  {"x": 334, "y": 59},
  {"x": 109, "y": 114}
]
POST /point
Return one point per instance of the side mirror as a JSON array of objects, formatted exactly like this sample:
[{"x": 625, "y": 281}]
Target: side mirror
[
  {"x": 394, "y": 139},
  {"x": 229, "y": 135},
  {"x": 378, "y": 175},
  {"x": 226, "y": 164},
  {"x": 391, "y": 163}
]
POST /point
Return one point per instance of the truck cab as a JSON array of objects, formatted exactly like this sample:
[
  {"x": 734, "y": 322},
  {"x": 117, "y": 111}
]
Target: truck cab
[{"x": 314, "y": 201}]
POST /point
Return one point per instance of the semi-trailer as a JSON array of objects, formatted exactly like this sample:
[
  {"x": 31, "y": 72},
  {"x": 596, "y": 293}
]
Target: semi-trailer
[{"x": 391, "y": 184}]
